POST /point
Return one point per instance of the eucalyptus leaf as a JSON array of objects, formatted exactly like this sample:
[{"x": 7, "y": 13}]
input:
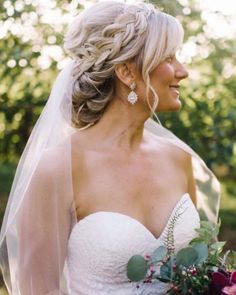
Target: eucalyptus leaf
[
  {"x": 165, "y": 272},
  {"x": 161, "y": 279},
  {"x": 186, "y": 257},
  {"x": 159, "y": 254},
  {"x": 137, "y": 268},
  {"x": 202, "y": 251}
]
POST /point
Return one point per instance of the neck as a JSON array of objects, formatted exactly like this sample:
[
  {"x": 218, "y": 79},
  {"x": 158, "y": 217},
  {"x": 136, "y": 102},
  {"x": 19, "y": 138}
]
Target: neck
[{"x": 121, "y": 126}]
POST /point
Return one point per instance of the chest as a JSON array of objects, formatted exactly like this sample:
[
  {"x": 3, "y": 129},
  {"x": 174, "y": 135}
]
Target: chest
[{"x": 144, "y": 186}]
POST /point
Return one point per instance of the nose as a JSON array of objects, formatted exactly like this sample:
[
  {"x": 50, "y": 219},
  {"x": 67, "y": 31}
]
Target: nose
[{"x": 181, "y": 71}]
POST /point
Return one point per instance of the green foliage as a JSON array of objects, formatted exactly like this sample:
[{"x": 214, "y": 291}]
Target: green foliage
[
  {"x": 137, "y": 268},
  {"x": 189, "y": 271},
  {"x": 202, "y": 252},
  {"x": 158, "y": 255},
  {"x": 166, "y": 271},
  {"x": 28, "y": 70},
  {"x": 7, "y": 172},
  {"x": 186, "y": 257},
  {"x": 207, "y": 233}
]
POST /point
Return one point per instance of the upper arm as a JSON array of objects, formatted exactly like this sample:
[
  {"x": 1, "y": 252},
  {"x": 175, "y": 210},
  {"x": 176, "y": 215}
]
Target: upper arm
[
  {"x": 183, "y": 161},
  {"x": 44, "y": 224},
  {"x": 191, "y": 184}
]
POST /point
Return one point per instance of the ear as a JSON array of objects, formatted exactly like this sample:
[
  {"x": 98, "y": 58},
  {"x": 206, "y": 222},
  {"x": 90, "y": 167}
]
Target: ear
[{"x": 125, "y": 73}]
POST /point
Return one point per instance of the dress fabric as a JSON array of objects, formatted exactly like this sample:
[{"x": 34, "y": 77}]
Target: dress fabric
[{"x": 101, "y": 244}]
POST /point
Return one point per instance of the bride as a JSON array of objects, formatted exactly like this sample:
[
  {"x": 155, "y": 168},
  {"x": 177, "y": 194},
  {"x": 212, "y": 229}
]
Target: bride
[{"x": 99, "y": 180}]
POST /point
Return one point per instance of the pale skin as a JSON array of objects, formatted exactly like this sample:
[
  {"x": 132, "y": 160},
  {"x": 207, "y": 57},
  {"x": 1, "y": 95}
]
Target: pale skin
[{"x": 118, "y": 166}]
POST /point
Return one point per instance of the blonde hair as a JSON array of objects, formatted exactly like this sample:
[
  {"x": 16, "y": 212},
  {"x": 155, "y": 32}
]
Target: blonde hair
[{"x": 110, "y": 33}]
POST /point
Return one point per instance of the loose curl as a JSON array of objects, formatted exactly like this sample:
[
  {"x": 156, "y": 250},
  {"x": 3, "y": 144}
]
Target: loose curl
[{"x": 110, "y": 33}]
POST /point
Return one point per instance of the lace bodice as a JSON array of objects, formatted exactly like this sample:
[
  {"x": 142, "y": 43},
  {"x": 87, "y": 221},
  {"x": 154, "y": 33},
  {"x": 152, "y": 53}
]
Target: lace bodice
[{"x": 101, "y": 244}]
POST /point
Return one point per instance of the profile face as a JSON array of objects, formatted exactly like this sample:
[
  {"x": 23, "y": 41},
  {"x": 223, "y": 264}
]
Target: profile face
[{"x": 165, "y": 79}]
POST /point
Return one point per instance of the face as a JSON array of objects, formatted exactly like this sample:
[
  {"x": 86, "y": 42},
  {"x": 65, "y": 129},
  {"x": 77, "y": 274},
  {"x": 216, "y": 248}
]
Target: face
[{"x": 165, "y": 80}]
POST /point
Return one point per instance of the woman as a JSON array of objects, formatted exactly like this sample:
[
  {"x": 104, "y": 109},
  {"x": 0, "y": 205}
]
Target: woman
[{"x": 99, "y": 181}]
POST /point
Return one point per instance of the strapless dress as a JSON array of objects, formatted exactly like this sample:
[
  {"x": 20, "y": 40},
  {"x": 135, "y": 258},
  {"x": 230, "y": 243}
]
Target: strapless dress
[{"x": 101, "y": 244}]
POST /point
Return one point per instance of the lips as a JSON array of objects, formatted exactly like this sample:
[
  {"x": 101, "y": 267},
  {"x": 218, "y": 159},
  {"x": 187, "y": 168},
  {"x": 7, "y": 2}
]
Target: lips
[{"x": 175, "y": 88}]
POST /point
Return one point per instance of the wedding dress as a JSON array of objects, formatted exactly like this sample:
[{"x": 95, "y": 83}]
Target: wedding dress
[{"x": 101, "y": 244}]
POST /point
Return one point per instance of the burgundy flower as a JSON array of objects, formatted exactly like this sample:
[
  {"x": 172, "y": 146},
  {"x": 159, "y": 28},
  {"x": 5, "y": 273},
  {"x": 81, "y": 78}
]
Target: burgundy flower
[
  {"x": 224, "y": 283},
  {"x": 220, "y": 279},
  {"x": 233, "y": 277}
]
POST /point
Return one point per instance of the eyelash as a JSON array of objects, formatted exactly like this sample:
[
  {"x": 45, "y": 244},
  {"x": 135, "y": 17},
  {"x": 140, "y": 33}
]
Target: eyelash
[{"x": 169, "y": 58}]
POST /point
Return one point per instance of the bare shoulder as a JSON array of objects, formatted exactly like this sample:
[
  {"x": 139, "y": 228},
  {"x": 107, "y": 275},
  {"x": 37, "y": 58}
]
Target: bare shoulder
[
  {"x": 52, "y": 176},
  {"x": 179, "y": 155},
  {"x": 179, "y": 160},
  {"x": 172, "y": 151},
  {"x": 54, "y": 160}
]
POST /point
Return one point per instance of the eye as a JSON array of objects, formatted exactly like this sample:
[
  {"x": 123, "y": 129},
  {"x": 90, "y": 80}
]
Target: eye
[{"x": 169, "y": 58}]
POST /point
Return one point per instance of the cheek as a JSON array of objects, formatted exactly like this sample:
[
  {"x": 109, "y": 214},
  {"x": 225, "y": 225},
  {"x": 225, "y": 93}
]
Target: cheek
[{"x": 162, "y": 75}]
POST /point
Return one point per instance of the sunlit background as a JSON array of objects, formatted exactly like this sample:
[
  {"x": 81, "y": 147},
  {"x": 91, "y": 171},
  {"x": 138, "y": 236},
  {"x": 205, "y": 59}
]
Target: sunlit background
[
  {"x": 31, "y": 53},
  {"x": 220, "y": 18}
]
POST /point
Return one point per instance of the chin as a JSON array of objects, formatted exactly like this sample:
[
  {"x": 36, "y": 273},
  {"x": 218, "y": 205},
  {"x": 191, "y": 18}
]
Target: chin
[{"x": 174, "y": 106}]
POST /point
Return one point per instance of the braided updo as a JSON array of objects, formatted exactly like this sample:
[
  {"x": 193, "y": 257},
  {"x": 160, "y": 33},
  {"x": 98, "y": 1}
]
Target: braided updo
[{"x": 110, "y": 33}]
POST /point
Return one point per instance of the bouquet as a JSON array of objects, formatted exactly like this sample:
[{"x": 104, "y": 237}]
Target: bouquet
[{"x": 200, "y": 268}]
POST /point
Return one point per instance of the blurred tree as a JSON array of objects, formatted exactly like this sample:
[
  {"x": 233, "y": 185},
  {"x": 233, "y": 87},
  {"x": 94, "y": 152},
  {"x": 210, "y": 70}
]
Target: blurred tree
[
  {"x": 30, "y": 53},
  {"x": 207, "y": 120}
]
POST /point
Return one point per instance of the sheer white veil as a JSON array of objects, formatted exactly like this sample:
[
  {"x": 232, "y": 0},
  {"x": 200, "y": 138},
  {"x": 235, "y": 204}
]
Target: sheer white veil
[{"x": 40, "y": 212}]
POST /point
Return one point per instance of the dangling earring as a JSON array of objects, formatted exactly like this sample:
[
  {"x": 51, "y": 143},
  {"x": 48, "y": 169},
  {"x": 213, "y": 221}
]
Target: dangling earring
[{"x": 132, "y": 97}]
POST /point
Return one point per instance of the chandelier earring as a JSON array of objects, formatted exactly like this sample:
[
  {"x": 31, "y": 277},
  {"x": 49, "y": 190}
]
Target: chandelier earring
[{"x": 132, "y": 97}]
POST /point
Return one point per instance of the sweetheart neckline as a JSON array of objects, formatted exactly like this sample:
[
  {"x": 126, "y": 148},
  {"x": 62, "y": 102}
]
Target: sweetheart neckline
[{"x": 136, "y": 220}]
